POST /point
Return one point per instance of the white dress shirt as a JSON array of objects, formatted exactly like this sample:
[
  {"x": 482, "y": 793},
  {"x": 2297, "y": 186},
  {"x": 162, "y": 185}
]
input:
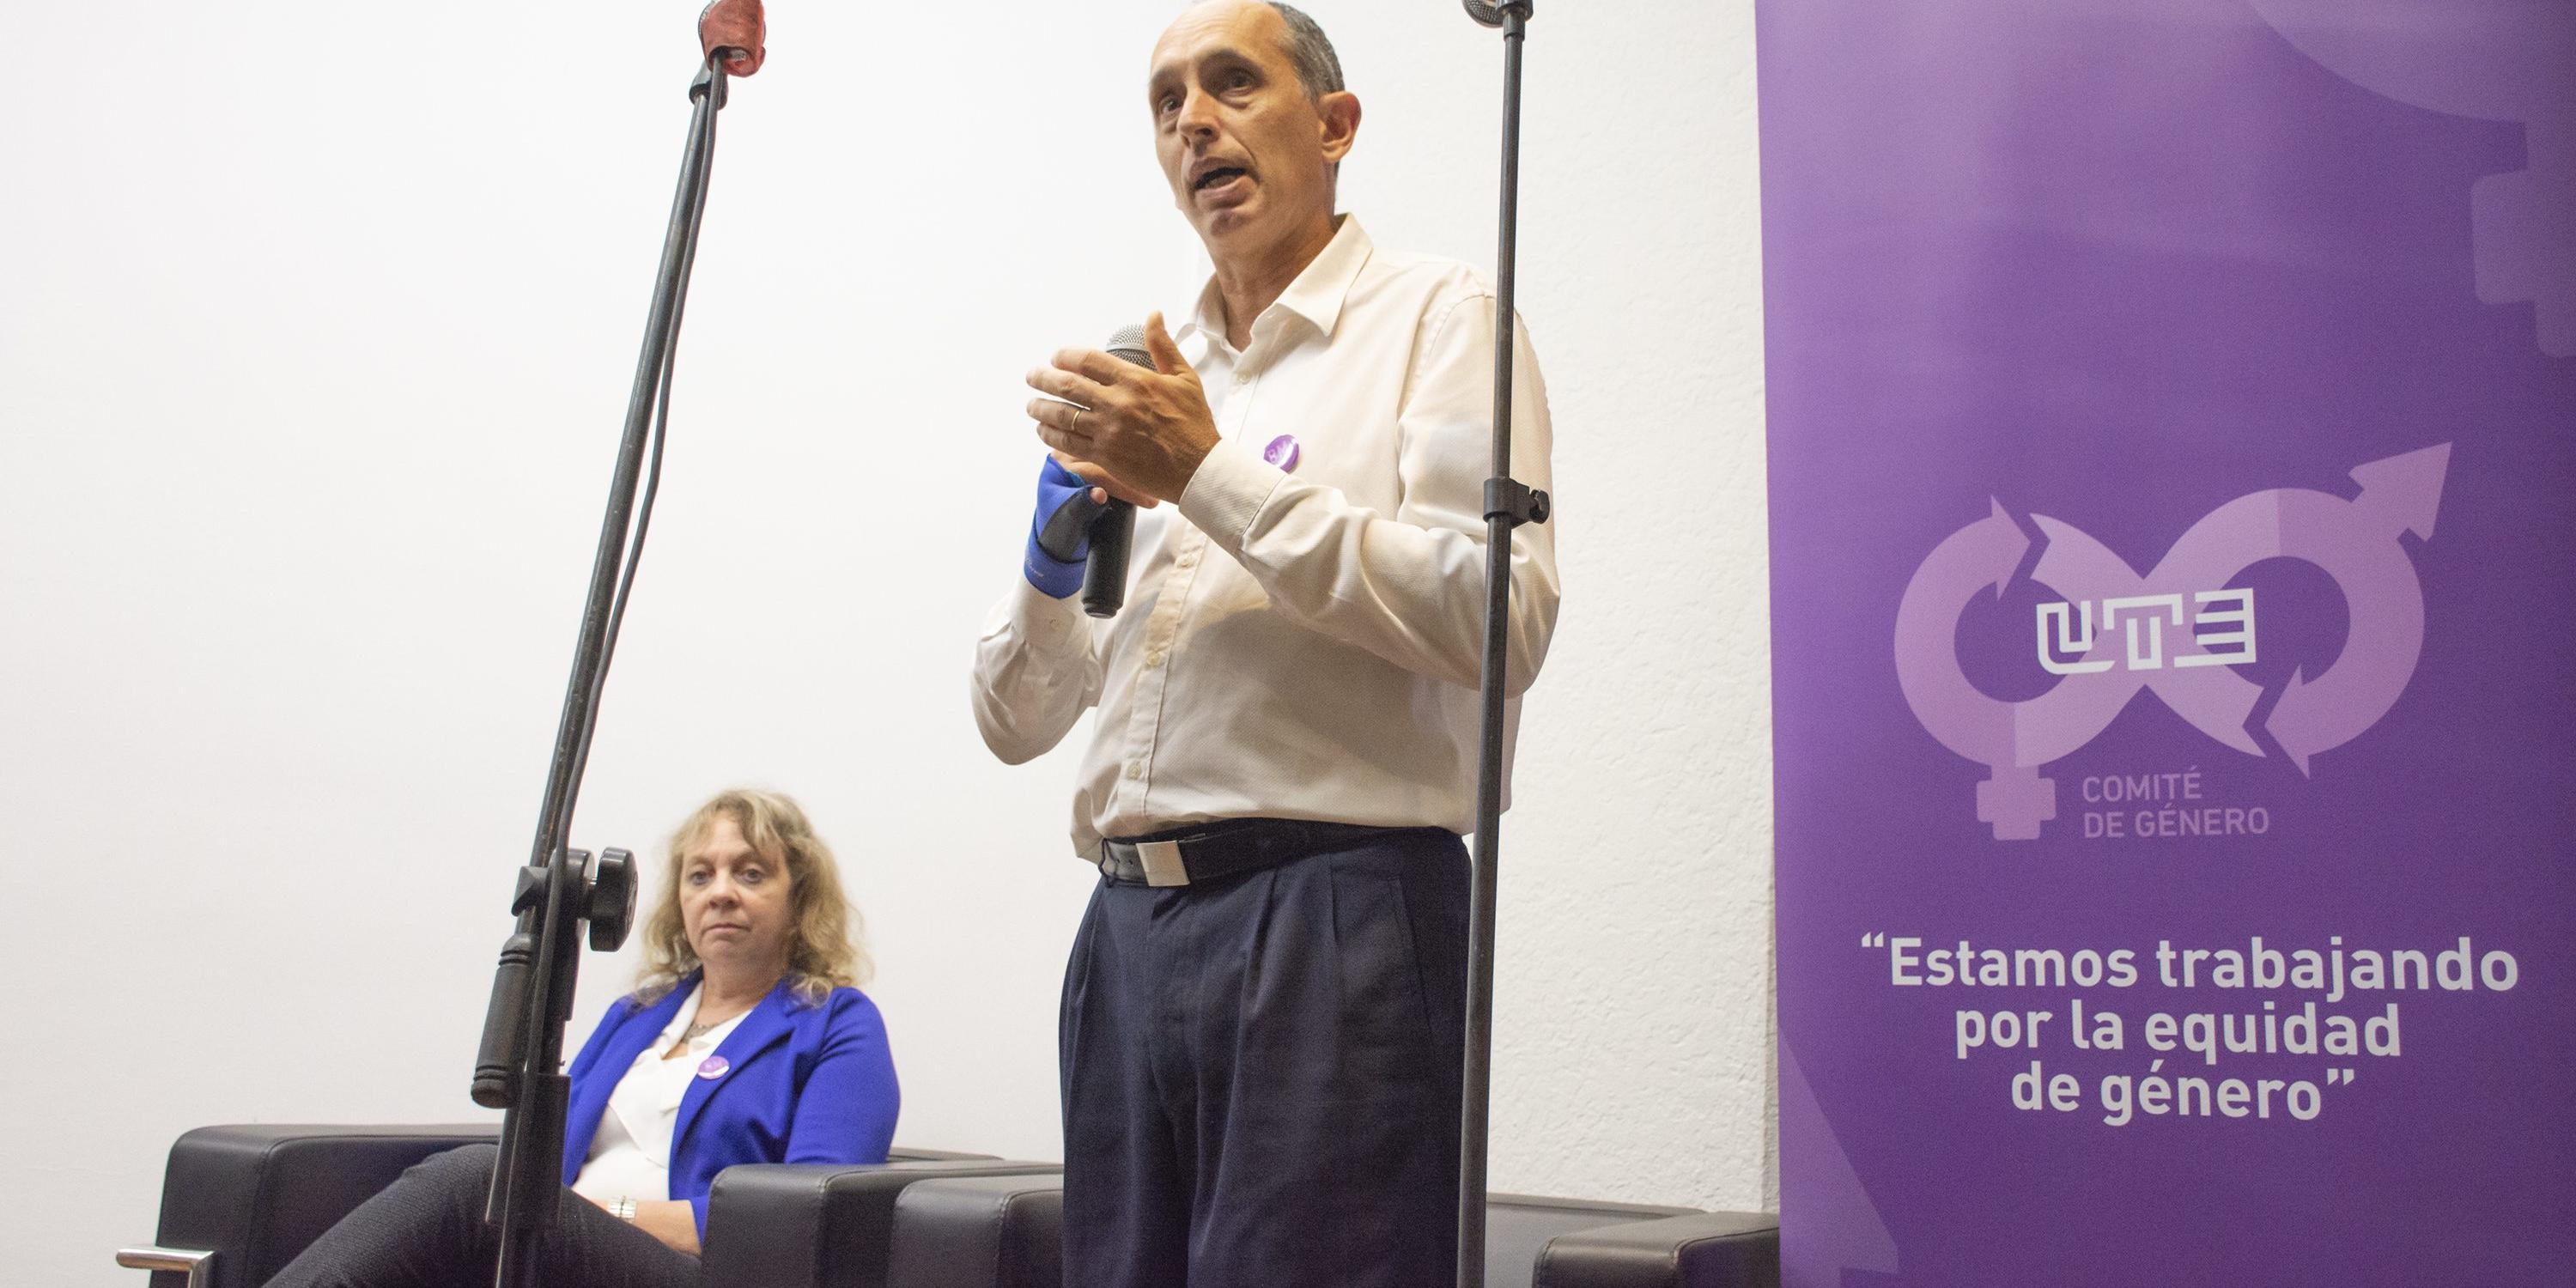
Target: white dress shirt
[
  {"x": 1302, "y": 642},
  {"x": 630, "y": 1154}
]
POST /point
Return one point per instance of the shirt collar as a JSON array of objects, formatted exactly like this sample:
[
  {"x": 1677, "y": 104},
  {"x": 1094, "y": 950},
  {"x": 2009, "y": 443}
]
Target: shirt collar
[{"x": 1317, "y": 295}]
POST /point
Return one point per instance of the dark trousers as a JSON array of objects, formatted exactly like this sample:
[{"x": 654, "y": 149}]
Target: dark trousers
[
  {"x": 1261, "y": 1074},
  {"x": 426, "y": 1230}
]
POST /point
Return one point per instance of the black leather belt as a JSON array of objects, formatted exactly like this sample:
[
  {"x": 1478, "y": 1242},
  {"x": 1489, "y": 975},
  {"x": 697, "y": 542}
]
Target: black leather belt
[{"x": 1210, "y": 851}]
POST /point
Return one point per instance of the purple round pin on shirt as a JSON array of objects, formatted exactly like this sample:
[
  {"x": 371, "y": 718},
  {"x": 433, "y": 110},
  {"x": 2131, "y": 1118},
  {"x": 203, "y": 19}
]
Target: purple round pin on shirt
[
  {"x": 1282, "y": 452},
  {"x": 713, "y": 1066}
]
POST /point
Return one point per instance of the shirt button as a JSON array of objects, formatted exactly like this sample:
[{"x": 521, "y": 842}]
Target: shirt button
[
  {"x": 1154, "y": 658},
  {"x": 1186, "y": 561},
  {"x": 1135, "y": 770}
]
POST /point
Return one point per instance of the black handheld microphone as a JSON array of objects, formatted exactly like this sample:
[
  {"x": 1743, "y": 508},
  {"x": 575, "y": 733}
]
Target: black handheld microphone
[{"x": 1113, "y": 530}]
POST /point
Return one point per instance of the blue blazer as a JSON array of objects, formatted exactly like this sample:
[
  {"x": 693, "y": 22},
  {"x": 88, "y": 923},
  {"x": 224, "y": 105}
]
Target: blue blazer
[{"x": 803, "y": 1083}]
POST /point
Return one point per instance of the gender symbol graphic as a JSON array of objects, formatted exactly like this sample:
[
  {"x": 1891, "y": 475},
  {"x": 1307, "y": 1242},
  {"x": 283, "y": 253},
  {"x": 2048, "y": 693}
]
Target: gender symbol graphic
[
  {"x": 2497, "y": 60},
  {"x": 2354, "y": 542}
]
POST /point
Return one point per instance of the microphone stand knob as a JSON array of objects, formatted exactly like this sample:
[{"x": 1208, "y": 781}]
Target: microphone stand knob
[{"x": 611, "y": 905}]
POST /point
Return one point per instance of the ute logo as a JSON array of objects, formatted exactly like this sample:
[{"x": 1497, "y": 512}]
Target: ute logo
[{"x": 2177, "y": 631}]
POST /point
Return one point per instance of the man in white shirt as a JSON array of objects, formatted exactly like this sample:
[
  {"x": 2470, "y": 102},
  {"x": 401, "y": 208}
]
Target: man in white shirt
[{"x": 1262, "y": 1024}]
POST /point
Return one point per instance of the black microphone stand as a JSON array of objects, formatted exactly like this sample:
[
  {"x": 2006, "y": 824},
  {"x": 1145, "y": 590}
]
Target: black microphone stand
[
  {"x": 1508, "y": 505},
  {"x": 519, "y": 1066}
]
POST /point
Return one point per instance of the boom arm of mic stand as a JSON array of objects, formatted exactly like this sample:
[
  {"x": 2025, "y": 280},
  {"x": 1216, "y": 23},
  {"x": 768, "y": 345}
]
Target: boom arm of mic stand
[
  {"x": 1508, "y": 504},
  {"x": 533, "y": 989}
]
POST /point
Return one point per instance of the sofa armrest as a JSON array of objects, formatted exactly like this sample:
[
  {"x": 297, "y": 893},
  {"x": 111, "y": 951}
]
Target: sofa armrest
[
  {"x": 980, "y": 1232},
  {"x": 257, "y": 1195},
  {"x": 1519, "y": 1226},
  {"x": 1702, "y": 1250},
  {"x": 803, "y": 1225},
  {"x": 916, "y": 1154}
]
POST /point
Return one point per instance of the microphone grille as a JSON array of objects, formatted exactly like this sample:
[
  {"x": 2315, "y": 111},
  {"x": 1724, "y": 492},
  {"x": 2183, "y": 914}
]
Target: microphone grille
[{"x": 1127, "y": 344}]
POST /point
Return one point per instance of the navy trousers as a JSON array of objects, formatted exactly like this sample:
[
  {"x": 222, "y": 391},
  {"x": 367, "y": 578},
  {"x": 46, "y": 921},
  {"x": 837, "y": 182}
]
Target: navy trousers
[{"x": 1261, "y": 1074}]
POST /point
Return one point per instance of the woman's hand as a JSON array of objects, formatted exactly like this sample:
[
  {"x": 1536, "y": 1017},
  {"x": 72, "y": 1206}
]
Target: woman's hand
[
  {"x": 670, "y": 1220},
  {"x": 673, "y": 1222}
]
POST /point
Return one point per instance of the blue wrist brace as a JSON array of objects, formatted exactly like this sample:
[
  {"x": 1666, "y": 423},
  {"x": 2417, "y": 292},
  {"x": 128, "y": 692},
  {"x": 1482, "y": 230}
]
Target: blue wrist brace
[{"x": 1060, "y": 532}]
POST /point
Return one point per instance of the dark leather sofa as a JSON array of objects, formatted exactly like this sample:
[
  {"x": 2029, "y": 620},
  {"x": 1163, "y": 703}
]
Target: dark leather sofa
[
  {"x": 237, "y": 1203},
  {"x": 254, "y": 1196},
  {"x": 1002, "y": 1232}
]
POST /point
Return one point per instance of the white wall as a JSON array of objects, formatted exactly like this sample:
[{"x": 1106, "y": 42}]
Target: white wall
[{"x": 315, "y": 326}]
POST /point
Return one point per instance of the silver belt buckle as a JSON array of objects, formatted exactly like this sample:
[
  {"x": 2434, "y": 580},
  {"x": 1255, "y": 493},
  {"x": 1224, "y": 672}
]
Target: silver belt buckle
[{"x": 1163, "y": 866}]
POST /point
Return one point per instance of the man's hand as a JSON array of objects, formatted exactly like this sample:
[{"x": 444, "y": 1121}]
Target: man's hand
[
  {"x": 1103, "y": 487},
  {"x": 1146, "y": 431}
]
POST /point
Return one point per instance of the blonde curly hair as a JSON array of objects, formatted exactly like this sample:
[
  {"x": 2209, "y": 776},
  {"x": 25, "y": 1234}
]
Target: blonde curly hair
[{"x": 824, "y": 951}]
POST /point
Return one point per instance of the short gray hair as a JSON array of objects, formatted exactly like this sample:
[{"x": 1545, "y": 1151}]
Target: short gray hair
[{"x": 1318, "y": 67}]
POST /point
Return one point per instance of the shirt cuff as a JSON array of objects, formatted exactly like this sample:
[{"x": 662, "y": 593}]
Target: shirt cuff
[
  {"x": 1226, "y": 494},
  {"x": 1043, "y": 619}
]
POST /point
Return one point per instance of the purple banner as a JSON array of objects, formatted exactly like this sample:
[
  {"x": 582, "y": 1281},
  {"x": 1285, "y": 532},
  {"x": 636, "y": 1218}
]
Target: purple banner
[{"x": 2173, "y": 537}]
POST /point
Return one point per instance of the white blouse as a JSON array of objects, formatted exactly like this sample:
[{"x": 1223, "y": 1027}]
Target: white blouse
[{"x": 630, "y": 1154}]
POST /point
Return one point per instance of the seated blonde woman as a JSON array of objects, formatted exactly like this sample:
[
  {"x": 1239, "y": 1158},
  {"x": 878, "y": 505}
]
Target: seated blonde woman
[{"x": 745, "y": 1041}]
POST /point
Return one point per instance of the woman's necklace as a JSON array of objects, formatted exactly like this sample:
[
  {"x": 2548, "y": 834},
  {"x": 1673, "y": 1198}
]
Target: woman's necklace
[{"x": 698, "y": 1030}]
